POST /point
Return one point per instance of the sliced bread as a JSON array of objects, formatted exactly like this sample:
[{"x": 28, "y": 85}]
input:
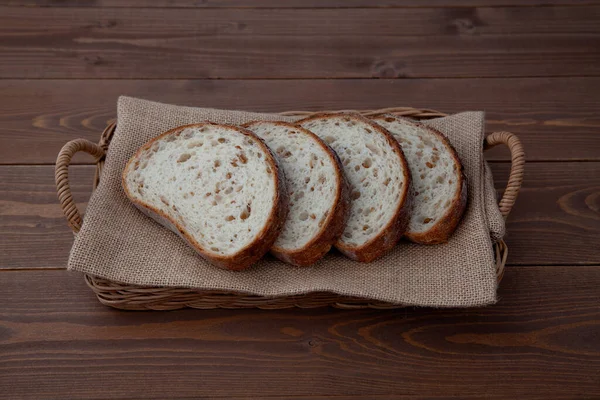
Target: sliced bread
[
  {"x": 217, "y": 186},
  {"x": 438, "y": 183},
  {"x": 379, "y": 182},
  {"x": 316, "y": 189}
]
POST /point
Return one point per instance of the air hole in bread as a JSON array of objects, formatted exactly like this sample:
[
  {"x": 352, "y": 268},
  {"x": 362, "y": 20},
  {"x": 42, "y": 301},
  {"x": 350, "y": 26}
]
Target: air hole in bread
[
  {"x": 228, "y": 175},
  {"x": 303, "y": 216},
  {"x": 214, "y": 248},
  {"x": 194, "y": 145},
  {"x": 329, "y": 139},
  {"x": 367, "y": 163},
  {"x": 164, "y": 200},
  {"x": 356, "y": 167},
  {"x": 243, "y": 158},
  {"x": 217, "y": 163},
  {"x": 144, "y": 164},
  {"x": 170, "y": 138},
  {"x": 387, "y": 181},
  {"x": 228, "y": 190},
  {"x": 355, "y": 195},
  {"x": 245, "y": 214},
  {"x": 298, "y": 196},
  {"x": 222, "y": 140},
  {"x": 427, "y": 220},
  {"x": 229, "y": 218},
  {"x": 307, "y": 179}
]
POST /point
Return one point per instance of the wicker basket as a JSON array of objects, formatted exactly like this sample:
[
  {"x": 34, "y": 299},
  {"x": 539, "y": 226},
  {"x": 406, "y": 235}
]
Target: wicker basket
[{"x": 133, "y": 297}]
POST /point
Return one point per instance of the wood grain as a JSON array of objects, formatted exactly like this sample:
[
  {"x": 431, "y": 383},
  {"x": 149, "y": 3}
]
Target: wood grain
[
  {"x": 556, "y": 118},
  {"x": 478, "y": 21},
  {"x": 186, "y": 44},
  {"x": 556, "y": 219},
  {"x": 557, "y": 215},
  {"x": 33, "y": 228},
  {"x": 291, "y": 3},
  {"x": 541, "y": 340}
]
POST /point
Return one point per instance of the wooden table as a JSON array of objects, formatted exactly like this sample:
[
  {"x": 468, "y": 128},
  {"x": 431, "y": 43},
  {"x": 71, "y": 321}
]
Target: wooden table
[{"x": 535, "y": 70}]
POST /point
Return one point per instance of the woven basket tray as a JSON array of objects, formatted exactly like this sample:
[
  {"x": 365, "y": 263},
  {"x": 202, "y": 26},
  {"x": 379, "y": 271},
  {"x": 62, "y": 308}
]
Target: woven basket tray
[{"x": 133, "y": 297}]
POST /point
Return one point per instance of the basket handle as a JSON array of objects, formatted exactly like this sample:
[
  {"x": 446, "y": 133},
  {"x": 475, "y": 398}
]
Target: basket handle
[
  {"x": 61, "y": 175},
  {"x": 517, "y": 167}
]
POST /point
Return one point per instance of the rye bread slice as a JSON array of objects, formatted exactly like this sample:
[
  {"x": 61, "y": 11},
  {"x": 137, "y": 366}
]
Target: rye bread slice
[
  {"x": 379, "y": 182},
  {"x": 217, "y": 186},
  {"x": 317, "y": 191},
  {"x": 439, "y": 184}
]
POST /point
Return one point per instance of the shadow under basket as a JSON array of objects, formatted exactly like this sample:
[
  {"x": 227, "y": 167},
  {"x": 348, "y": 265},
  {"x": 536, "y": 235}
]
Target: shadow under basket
[{"x": 133, "y": 297}]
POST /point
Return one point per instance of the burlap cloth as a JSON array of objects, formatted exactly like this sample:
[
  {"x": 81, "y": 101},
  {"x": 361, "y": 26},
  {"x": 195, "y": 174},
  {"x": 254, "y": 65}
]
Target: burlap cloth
[{"x": 119, "y": 243}]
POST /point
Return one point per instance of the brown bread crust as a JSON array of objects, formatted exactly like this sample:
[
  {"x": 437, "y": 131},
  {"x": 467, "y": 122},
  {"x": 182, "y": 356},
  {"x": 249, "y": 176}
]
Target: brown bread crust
[
  {"x": 441, "y": 231},
  {"x": 335, "y": 223},
  {"x": 393, "y": 231},
  {"x": 265, "y": 238}
]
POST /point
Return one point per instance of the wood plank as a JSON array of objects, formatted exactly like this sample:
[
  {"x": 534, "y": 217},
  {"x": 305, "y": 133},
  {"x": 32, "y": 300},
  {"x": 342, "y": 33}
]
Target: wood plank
[
  {"x": 556, "y": 219},
  {"x": 33, "y": 228},
  {"x": 291, "y": 3},
  {"x": 541, "y": 340},
  {"x": 42, "y": 115},
  {"x": 187, "y": 44},
  {"x": 118, "y": 23}
]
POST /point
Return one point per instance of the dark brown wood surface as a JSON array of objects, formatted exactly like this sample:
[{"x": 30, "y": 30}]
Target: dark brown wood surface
[
  {"x": 556, "y": 118},
  {"x": 533, "y": 66},
  {"x": 540, "y": 340},
  {"x": 266, "y": 43},
  {"x": 231, "y": 4}
]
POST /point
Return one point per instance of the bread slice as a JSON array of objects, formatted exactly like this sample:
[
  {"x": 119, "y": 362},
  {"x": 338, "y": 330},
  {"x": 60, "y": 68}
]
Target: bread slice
[
  {"x": 379, "y": 182},
  {"x": 439, "y": 185},
  {"x": 319, "y": 201},
  {"x": 217, "y": 186}
]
